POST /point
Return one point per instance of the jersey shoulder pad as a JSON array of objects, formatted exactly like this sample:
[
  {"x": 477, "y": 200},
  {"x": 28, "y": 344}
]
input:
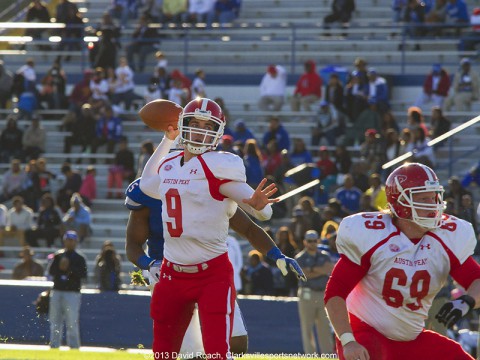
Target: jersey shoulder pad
[
  {"x": 358, "y": 233},
  {"x": 458, "y": 236},
  {"x": 225, "y": 165},
  {"x": 136, "y": 198}
]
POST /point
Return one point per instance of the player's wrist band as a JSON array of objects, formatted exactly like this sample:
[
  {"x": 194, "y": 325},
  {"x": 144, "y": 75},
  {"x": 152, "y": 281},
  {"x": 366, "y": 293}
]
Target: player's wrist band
[
  {"x": 346, "y": 338},
  {"x": 144, "y": 262}
]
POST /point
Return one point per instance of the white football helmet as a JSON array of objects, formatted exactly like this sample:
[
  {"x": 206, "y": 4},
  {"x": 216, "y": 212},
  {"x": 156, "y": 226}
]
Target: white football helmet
[{"x": 202, "y": 109}]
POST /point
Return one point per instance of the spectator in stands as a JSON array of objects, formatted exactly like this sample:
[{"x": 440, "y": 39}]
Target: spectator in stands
[
  {"x": 252, "y": 158},
  {"x": 372, "y": 150},
  {"x": 226, "y": 144},
  {"x": 162, "y": 81},
  {"x": 277, "y": 131},
  {"x": 470, "y": 39},
  {"x": 343, "y": 160},
  {"x": 308, "y": 89},
  {"x": 88, "y": 190},
  {"x": 10, "y": 138},
  {"x": 198, "y": 85},
  {"x": 124, "y": 10},
  {"x": 439, "y": 124},
  {"x": 436, "y": 16},
  {"x": 81, "y": 92},
  {"x": 318, "y": 266},
  {"x": 360, "y": 172},
  {"x": 414, "y": 16},
  {"x": 48, "y": 223},
  {"x": 368, "y": 119},
  {"x": 422, "y": 152},
  {"x": 67, "y": 270},
  {"x": 53, "y": 87},
  {"x": 366, "y": 204},
  {"x": 435, "y": 87},
  {"x": 37, "y": 13},
  {"x": 398, "y": 7},
  {"x": 457, "y": 13},
  {"x": 99, "y": 87},
  {"x": 121, "y": 170},
  {"x": 199, "y": 11},
  {"x": 185, "y": 82},
  {"x": 32, "y": 192},
  {"x": 73, "y": 182},
  {"x": 19, "y": 220},
  {"x": 152, "y": 91},
  {"x": 257, "y": 276},
  {"x": 146, "y": 150},
  {"x": 225, "y": 12},
  {"x": 349, "y": 195},
  {"x": 28, "y": 266},
  {"x": 104, "y": 52},
  {"x": 356, "y": 94},
  {"x": 107, "y": 268},
  {"x": 298, "y": 226},
  {"x": 392, "y": 148},
  {"x": 33, "y": 139},
  {"x": 376, "y": 191},
  {"x": 72, "y": 34},
  {"x": 473, "y": 175},
  {"x": 145, "y": 40},
  {"x": 328, "y": 170},
  {"x": 177, "y": 93},
  {"x": 455, "y": 191},
  {"x": 341, "y": 12},
  {"x": 272, "y": 88},
  {"x": 328, "y": 124},
  {"x": 109, "y": 27},
  {"x": 300, "y": 154},
  {"x": 334, "y": 92},
  {"x": 465, "y": 87},
  {"x": 13, "y": 181},
  {"x": 415, "y": 119},
  {"x": 63, "y": 11},
  {"x": 389, "y": 121},
  {"x": 162, "y": 61},
  {"x": 108, "y": 131},
  {"x": 272, "y": 158},
  {"x": 241, "y": 132},
  {"x": 468, "y": 212},
  {"x": 45, "y": 176},
  {"x": 83, "y": 130},
  {"x": 125, "y": 85},
  {"x": 6, "y": 82},
  {"x": 378, "y": 90},
  {"x": 78, "y": 218},
  {"x": 311, "y": 213},
  {"x": 175, "y": 11}
]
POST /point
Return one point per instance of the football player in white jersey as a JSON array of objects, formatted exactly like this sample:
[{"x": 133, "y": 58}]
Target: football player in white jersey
[
  {"x": 200, "y": 191},
  {"x": 392, "y": 265}
]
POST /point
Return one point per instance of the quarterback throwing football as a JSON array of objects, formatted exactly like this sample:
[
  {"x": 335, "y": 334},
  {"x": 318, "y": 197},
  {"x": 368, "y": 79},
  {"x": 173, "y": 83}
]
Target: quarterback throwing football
[
  {"x": 392, "y": 265},
  {"x": 200, "y": 190}
]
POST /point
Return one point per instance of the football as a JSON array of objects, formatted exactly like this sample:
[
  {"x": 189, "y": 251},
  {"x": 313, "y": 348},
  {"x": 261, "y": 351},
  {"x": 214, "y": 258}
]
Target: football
[{"x": 159, "y": 114}]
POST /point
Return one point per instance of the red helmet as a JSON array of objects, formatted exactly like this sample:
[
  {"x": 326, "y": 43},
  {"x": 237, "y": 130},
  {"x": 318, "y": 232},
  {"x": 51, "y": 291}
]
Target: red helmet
[
  {"x": 201, "y": 109},
  {"x": 410, "y": 179}
]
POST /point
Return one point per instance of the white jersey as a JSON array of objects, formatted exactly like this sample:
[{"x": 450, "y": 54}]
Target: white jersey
[
  {"x": 195, "y": 214},
  {"x": 403, "y": 278}
]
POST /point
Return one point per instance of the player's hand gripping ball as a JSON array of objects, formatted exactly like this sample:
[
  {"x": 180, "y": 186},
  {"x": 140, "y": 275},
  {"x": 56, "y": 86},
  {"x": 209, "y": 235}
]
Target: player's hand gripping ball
[{"x": 159, "y": 114}]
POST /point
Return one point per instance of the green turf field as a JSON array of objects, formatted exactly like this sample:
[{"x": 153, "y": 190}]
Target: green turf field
[{"x": 88, "y": 355}]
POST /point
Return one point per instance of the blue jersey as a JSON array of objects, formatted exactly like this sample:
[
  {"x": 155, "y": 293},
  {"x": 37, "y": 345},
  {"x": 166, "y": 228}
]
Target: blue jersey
[{"x": 135, "y": 200}]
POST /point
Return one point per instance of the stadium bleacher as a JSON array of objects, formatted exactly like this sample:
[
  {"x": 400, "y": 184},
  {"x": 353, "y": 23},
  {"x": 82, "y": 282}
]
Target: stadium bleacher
[{"x": 268, "y": 31}]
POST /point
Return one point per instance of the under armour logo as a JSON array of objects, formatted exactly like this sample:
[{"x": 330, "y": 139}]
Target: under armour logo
[
  {"x": 167, "y": 276},
  {"x": 193, "y": 171},
  {"x": 425, "y": 246}
]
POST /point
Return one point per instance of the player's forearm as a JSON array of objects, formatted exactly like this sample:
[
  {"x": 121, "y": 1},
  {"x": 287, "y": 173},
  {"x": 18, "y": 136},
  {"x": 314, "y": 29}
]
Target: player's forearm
[
  {"x": 134, "y": 252},
  {"x": 160, "y": 152},
  {"x": 336, "y": 308},
  {"x": 238, "y": 191}
]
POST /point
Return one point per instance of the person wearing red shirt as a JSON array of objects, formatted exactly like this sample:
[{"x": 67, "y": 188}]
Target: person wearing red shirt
[{"x": 308, "y": 89}]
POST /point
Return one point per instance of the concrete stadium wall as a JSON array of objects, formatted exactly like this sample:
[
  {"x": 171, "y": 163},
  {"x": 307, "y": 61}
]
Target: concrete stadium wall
[{"x": 121, "y": 320}]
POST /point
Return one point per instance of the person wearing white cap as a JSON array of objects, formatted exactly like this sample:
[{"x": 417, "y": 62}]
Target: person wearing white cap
[
  {"x": 465, "y": 86},
  {"x": 317, "y": 266},
  {"x": 67, "y": 270}
]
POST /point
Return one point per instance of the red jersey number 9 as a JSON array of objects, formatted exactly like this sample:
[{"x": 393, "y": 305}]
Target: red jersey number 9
[
  {"x": 174, "y": 212},
  {"x": 374, "y": 224}
]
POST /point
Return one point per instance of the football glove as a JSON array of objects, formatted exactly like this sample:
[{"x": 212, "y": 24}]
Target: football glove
[
  {"x": 154, "y": 272},
  {"x": 454, "y": 310},
  {"x": 284, "y": 263}
]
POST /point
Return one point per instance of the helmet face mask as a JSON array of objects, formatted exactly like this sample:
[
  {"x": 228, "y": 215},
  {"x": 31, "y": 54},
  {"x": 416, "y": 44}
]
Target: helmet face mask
[
  {"x": 406, "y": 184},
  {"x": 193, "y": 137}
]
